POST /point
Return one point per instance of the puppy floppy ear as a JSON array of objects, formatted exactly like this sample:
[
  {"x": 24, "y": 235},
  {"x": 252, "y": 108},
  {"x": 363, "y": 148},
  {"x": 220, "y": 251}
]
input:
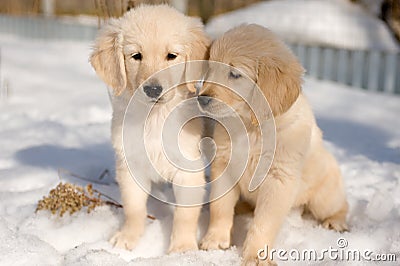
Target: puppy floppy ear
[
  {"x": 199, "y": 41},
  {"x": 280, "y": 80},
  {"x": 198, "y": 49},
  {"x": 107, "y": 57}
]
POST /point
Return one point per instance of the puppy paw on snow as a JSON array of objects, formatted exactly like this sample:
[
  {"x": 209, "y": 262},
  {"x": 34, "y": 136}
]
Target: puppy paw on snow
[
  {"x": 180, "y": 247},
  {"x": 336, "y": 224},
  {"x": 124, "y": 239},
  {"x": 215, "y": 240},
  {"x": 256, "y": 262}
]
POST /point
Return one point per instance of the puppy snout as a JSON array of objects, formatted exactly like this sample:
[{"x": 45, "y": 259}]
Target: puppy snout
[
  {"x": 153, "y": 90},
  {"x": 204, "y": 100}
]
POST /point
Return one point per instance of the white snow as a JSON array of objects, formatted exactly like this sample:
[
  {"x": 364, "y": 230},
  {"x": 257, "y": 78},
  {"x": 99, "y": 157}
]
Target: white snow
[
  {"x": 58, "y": 116},
  {"x": 337, "y": 23}
]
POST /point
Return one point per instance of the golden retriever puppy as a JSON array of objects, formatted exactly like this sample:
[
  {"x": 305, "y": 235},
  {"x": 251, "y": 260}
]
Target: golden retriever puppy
[
  {"x": 302, "y": 172},
  {"x": 128, "y": 51}
]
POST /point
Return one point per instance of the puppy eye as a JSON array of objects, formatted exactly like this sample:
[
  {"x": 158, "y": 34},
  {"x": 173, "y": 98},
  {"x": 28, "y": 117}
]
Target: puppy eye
[
  {"x": 171, "y": 56},
  {"x": 137, "y": 56},
  {"x": 234, "y": 75}
]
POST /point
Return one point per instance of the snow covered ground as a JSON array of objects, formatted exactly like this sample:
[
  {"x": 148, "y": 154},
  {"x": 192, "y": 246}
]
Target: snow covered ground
[
  {"x": 337, "y": 23},
  {"x": 57, "y": 116}
]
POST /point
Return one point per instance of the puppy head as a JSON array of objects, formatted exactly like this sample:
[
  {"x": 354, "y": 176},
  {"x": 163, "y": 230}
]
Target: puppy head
[
  {"x": 147, "y": 39},
  {"x": 253, "y": 52}
]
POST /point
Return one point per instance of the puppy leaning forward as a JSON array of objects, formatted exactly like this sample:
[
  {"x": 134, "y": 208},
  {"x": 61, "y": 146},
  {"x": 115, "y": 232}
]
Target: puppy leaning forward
[
  {"x": 127, "y": 52},
  {"x": 303, "y": 172}
]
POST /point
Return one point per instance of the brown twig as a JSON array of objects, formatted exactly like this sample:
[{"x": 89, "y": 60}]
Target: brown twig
[
  {"x": 115, "y": 203},
  {"x": 67, "y": 172},
  {"x": 104, "y": 173},
  {"x": 110, "y": 201}
]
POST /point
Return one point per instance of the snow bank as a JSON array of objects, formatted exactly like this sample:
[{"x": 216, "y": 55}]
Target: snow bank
[
  {"x": 337, "y": 23},
  {"x": 58, "y": 115}
]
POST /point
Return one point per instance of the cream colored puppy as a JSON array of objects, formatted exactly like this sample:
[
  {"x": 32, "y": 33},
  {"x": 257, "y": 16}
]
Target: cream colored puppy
[
  {"x": 303, "y": 172},
  {"x": 127, "y": 52}
]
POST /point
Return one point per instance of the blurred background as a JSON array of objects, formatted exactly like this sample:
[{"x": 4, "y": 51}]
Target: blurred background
[
  {"x": 387, "y": 10},
  {"x": 202, "y": 8},
  {"x": 353, "y": 42}
]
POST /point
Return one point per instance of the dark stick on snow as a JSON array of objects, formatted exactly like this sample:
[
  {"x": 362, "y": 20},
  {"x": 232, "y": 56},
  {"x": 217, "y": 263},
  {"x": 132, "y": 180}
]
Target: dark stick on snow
[{"x": 110, "y": 200}]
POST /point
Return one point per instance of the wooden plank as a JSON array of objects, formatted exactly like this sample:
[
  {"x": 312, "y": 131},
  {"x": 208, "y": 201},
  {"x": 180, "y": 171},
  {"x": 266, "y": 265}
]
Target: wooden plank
[
  {"x": 302, "y": 54},
  {"x": 335, "y": 65},
  {"x": 358, "y": 61},
  {"x": 343, "y": 66},
  {"x": 397, "y": 85},
  {"x": 327, "y": 67},
  {"x": 314, "y": 58},
  {"x": 373, "y": 70},
  {"x": 389, "y": 73}
]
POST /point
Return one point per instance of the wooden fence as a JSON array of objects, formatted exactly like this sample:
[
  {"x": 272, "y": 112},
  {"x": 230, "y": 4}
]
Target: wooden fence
[{"x": 366, "y": 69}]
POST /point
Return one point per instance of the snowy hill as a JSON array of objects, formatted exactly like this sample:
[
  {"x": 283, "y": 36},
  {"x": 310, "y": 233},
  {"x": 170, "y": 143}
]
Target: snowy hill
[{"x": 337, "y": 23}]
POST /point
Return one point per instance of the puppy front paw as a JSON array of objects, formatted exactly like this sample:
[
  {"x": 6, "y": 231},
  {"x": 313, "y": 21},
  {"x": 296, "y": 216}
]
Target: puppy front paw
[
  {"x": 335, "y": 223},
  {"x": 215, "y": 240},
  {"x": 179, "y": 246},
  {"x": 249, "y": 261},
  {"x": 125, "y": 239}
]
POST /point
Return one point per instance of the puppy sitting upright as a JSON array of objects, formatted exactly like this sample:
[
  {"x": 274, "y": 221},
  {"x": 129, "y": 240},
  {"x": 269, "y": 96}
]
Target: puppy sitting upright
[
  {"x": 303, "y": 172},
  {"x": 128, "y": 51}
]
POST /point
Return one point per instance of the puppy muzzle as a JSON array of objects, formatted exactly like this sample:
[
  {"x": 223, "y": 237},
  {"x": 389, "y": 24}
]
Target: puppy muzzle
[
  {"x": 204, "y": 100},
  {"x": 153, "y": 90}
]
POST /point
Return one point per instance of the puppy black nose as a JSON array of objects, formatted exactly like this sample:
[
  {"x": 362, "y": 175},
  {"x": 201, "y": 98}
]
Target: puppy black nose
[
  {"x": 153, "y": 91},
  {"x": 204, "y": 100}
]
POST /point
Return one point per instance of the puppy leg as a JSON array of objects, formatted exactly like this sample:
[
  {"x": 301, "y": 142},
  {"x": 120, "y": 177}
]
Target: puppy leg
[
  {"x": 218, "y": 235},
  {"x": 222, "y": 210},
  {"x": 184, "y": 230},
  {"x": 275, "y": 199},
  {"x": 329, "y": 204},
  {"x": 134, "y": 202}
]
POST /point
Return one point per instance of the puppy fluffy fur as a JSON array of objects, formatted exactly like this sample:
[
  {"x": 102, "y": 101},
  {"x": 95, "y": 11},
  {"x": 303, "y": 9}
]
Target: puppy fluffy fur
[
  {"x": 303, "y": 172},
  {"x": 154, "y": 32}
]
